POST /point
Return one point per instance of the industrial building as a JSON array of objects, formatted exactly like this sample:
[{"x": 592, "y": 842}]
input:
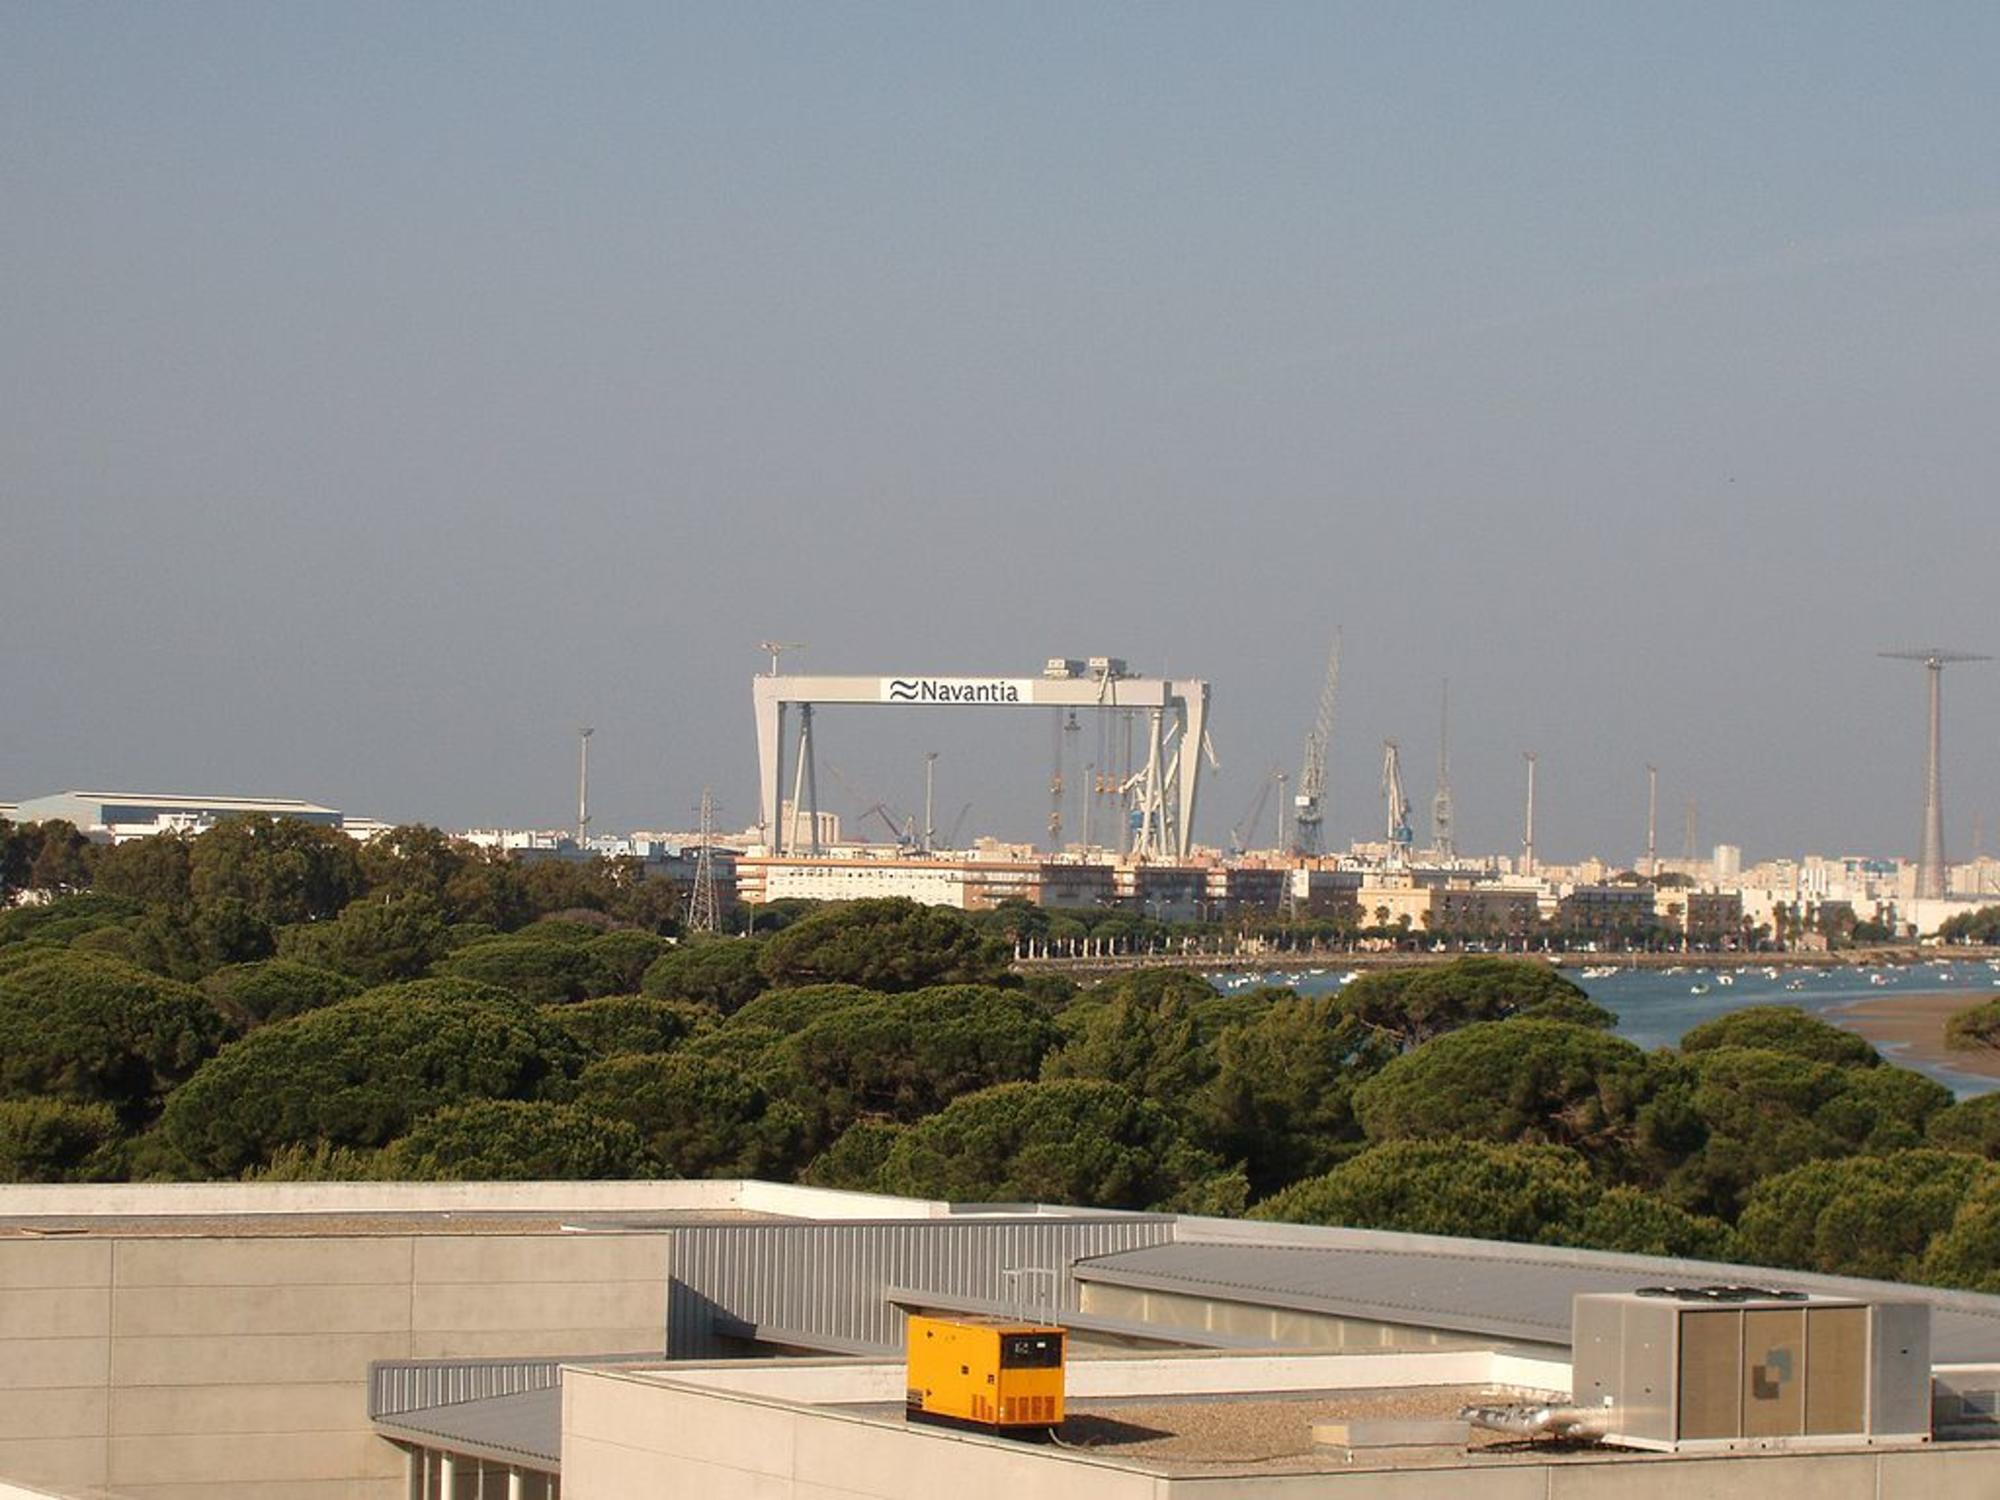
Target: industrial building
[
  {"x": 617, "y": 1341},
  {"x": 117, "y": 816}
]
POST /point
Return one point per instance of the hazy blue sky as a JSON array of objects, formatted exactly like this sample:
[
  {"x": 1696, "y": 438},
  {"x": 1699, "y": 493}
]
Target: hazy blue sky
[{"x": 384, "y": 389}]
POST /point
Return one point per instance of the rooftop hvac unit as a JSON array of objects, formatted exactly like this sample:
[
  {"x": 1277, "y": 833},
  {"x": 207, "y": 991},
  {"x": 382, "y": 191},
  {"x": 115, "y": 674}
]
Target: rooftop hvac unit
[{"x": 1713, "y": 1368}]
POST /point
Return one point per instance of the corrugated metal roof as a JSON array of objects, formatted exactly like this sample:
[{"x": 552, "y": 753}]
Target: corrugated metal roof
[
  {"x": 823, "y": 1284},
  {"x": 525, "y": 1428},
  {"x": 1507, "y": 1291}
]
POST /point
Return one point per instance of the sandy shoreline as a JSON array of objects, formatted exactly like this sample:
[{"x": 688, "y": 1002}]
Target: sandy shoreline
[{"x": 1910, "y": 1029}]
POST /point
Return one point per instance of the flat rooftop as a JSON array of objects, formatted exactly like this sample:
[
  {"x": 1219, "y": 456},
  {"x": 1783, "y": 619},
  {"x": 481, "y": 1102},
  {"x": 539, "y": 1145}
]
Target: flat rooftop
[
  {"x": 1259, "y": 1433},
  {"x": 1211, "y": 1416}
]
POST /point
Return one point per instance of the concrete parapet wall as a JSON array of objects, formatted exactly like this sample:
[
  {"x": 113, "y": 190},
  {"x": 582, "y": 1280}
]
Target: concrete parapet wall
[{"x": 198, "y": 1199}]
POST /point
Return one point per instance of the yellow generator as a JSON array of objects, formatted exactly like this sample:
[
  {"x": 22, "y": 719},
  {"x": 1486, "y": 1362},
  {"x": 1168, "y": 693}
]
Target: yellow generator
[{"x": 990, "y": 1373}]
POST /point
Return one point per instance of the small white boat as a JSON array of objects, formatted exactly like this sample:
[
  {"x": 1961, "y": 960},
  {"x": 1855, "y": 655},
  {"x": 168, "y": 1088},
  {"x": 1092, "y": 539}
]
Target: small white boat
[
  {"x": 1697, "y": 989},
  {"x": 1725, "y": 979}
]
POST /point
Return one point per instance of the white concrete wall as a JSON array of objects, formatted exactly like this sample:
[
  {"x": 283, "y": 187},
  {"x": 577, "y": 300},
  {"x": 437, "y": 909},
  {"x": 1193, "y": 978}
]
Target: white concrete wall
[
  {"x": 197, "y": 1199},
  {"x": 174, "y": 1367},
  {"x": 547, "y": 1199},
  {"x": 626, "y": 1437}
]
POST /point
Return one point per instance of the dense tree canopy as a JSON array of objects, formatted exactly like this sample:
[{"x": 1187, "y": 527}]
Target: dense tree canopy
[
  {"x": 884, "y": 1045},
  {"x": 375, "y": 941},
  {"x": 1767, "y": 1112},
  {"x": 282, "y": 869},
  {"x": 93, "y": 1030},
  {"x": 723, "y": 972},
  {"x": 64, "y": 918},
  {"x": 1862, "y": 1216},
  {"x": 64, "y": 858},
  {"x": 1782, "y": 1028},
  {"x": 1967, "y": 1253},
  {"x": 1529, "y": 1081},
  {"x": 1449, "y": 1186},
  {"x": 1282, "y": 1096},
  {"x": 888, "y": 944},
  {"x": 1971, "y": 1125},
  {"x": 541, "y": 969},
  {"x": 700, "y": 1115},
  {"x": 360, "y": 1072},
  {"x": 412, "y": 860},
  {"x": 615, "y": 1024},
  {"x": 1974, "y": 1028},
  {"x": 1152, "y": 1047},
  {"x": 1413, "y": 1005},
  {"x": 623, "y": 956},
  {"x": 1072, "y": 1141},
  {"x": 252, "y": 994},
  {"x": 152, "y": 872},
  {"x": 904, "y": 1056},
  {"x": 54, "y": 1140},
  {"x": 498, "y": 1140}
]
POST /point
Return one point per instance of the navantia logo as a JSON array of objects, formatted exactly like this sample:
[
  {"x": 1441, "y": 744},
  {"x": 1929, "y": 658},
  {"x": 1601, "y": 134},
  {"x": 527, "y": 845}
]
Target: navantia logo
[{"x": 953, "y": 690}]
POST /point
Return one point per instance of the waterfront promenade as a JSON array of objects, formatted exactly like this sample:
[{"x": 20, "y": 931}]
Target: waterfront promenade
[{"x": 1291, "y": 960}]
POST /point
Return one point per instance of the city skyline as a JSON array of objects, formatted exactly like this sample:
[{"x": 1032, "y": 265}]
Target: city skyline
[{"x": 388, "y": 394}]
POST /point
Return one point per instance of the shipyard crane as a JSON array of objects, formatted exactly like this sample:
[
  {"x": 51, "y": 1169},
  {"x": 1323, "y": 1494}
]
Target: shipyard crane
[
  {"x": 1401, "y": 835},
  {"x": 903, "y": 833},
  {"x": 1441, "y": 835},
  {"x": 1308, "y": 814},
  {"x": 1243, "y": 836}
]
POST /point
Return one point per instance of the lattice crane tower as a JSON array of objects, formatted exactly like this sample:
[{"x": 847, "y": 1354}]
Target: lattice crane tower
[
  {"x": 1401, "y": 836},
  {"x": 1307, "y": 831}
]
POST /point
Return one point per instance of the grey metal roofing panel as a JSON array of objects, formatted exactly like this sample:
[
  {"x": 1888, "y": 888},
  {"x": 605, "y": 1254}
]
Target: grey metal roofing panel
[
  {"x": 1467, "y": 1293},
  {"x": 1508, "y": 1291},
  {"x": 525, "y": 1428},
  {"x": 825, "y": 1283}
]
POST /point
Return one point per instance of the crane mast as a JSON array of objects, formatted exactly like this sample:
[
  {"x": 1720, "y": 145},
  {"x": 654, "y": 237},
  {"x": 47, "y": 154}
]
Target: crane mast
[
  {"x": 1441, "y": 835},
  {"x": 1401, "y": 835},
  {"x": 1307, "y": 836}
]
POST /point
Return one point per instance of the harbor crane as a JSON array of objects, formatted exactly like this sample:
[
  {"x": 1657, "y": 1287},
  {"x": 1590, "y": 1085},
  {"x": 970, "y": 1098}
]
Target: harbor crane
[
  {"x": 1244, "y": 835},
  {"x": 1308, "y": 815},
  {"x": 1441, "y": 835},
  {"x": 1401, "y": 835}
]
